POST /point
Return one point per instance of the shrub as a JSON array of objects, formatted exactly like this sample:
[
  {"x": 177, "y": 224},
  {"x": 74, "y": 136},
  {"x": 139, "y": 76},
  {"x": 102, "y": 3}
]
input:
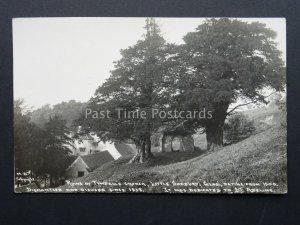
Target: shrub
[{"x": 237, "y": 128}]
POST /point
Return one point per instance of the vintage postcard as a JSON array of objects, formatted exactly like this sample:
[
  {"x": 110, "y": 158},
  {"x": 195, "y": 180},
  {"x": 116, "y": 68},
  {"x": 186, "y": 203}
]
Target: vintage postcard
[{"x": 150, "y": 105}]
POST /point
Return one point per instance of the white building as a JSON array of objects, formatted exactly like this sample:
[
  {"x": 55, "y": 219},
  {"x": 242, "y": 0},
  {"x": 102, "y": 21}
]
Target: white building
[
  {"x": 91, "y": 144},
  {"x": 83, "y": 165}
]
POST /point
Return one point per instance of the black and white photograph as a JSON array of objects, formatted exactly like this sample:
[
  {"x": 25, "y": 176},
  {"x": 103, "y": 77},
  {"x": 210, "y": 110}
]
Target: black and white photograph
[{"x": 149, "y": 105}]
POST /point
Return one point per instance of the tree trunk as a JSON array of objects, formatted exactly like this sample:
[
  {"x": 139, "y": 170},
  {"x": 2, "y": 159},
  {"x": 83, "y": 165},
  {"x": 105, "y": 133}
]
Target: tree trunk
[
  {"x": 214, "y": 136},
  {"x": 143, "y": 151},
  {"x": 171, "y": 143},
  {"x": 163, "y": 143},
  {"x": 214, "y": 128},
  {"x": 140, "y": 155},
  {"x": 149, "y": 154}
]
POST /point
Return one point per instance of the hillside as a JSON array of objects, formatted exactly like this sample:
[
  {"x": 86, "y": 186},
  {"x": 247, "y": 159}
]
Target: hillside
[
  {"x": 264, "y": 118},
  {"x": 258, "y": 159},
  {"x": 69, "y": 111}
]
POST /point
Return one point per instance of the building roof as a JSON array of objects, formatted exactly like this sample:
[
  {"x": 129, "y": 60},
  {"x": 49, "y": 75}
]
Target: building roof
[
  {"x": 96, "y": 160},
  {"x": 125, "y": 149},
  {"x": 58, "y": 166},
  {"x": 67, "y": 161}
]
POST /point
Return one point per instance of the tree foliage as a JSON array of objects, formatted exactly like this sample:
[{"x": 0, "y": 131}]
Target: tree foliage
[
  {"x": 27, "y": 140},
  {"x": 40, "y": 150},
  {"x": 69, "y": 111},
  {"x": 222, "y": 61},
  {"x": 138, "y": 83},
  {"x": 57, "y": 144},
  {"x": 237, "y": 128}
]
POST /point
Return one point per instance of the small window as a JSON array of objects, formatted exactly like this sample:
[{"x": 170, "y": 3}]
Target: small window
[
  {"x": 96, "y": 151},
  {"x": 80, "y": 173},
  {"x": 82, "y": 149}
]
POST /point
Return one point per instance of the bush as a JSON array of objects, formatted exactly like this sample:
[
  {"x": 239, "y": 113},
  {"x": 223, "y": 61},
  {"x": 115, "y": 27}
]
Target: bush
[{"x": 237, "y": 128}]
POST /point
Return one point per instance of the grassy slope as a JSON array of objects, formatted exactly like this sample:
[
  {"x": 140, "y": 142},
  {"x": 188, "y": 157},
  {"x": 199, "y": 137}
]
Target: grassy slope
[
  {"x": 120, "y": 168},
  {"x": 260, "y": 158},
  {"x": 257, "y": 115}
]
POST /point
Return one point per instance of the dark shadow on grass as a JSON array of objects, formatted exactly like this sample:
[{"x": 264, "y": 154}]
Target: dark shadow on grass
[{"x": 121, "y": 167}]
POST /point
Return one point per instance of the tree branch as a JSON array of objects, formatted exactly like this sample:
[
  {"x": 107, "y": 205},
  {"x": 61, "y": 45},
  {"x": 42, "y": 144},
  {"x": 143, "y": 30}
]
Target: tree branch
[{"x": 228, "y": 113}]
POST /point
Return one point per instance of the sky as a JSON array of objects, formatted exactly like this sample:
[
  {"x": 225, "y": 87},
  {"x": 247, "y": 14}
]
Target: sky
[{"x": 62, "y": 59}]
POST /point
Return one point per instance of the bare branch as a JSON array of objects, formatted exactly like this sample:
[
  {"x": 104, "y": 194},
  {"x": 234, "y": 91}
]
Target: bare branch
[{"x": 228, "y": 113}]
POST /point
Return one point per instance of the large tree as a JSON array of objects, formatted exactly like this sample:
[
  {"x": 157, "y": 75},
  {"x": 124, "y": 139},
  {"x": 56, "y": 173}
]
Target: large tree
[
  {"x": 27, "y": 139},
  {"x": 137, "y": 84},
  {"x": 57, "y": 144},
  {"x": 222, "y": 61},
  {"x": 28, "y": 143}
]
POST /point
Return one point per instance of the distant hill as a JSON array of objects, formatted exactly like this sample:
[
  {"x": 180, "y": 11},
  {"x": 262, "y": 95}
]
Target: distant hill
[
  {"x": 69, "y": 111},
  {"x": 264, "y": 117}
]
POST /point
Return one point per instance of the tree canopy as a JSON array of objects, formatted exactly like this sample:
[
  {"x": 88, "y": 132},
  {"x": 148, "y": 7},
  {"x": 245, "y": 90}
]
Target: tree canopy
[
  {"x": 137, "y": 84},
  {"x": 27, "y": 140},
  {"x": 222, "y": 61}
]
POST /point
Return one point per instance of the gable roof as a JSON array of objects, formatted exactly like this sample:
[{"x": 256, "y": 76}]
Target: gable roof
[
  {"x": 67, "y": 161},
  {"x": 96, "y": 160},
  {"x": 76, "y": 161},
  {"x": 58, "y": 166}
]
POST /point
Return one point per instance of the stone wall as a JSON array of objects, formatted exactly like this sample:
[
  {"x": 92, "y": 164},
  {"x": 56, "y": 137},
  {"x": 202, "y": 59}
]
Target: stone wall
[
  {"x": 178, "y": 143},
  {"x": 187, "y": 143}
]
